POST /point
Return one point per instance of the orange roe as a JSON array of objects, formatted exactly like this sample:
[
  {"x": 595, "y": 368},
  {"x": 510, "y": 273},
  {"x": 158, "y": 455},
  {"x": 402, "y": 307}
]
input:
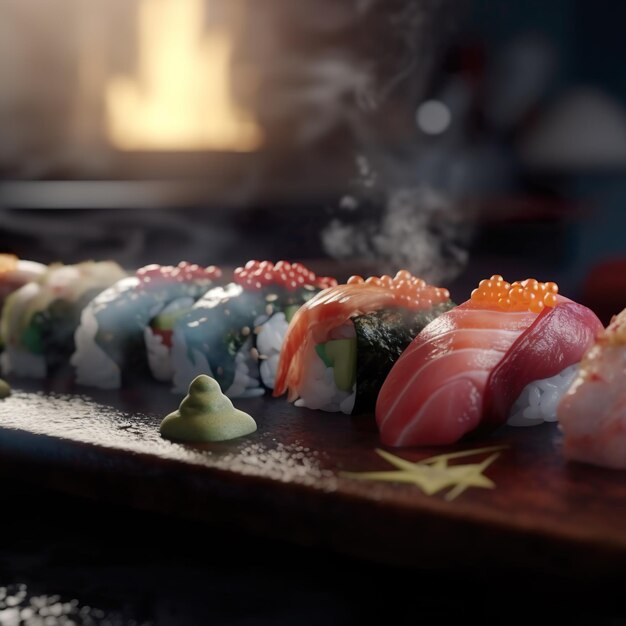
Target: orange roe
[
  {"x": 8, "y": 263},
  {"x": 525, "y": 295},
  {"x": 409, "y": 290}
]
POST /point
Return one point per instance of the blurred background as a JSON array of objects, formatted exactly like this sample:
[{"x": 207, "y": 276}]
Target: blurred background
[{"x": 456, "y": 138}]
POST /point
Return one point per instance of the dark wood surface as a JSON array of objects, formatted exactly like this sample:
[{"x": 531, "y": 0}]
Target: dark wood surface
[{"x": 285, "y": 482}]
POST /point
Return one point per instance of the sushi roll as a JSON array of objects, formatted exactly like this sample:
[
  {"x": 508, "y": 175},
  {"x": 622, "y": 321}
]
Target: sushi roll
[
  {"x": 235, "y": 333},
  {"x": 111, "y": 338},
  {"x": 342, "y": 343},
  {"x": 39, "y": 319},
  {"x": 465, "y": 370},
  {"x": 592, "y": 413}
]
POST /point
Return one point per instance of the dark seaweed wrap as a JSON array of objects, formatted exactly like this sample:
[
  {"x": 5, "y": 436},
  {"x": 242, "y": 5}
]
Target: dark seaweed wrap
[
  {"x": 223, "y": 320},
  {"x": 382, "y": 336}
]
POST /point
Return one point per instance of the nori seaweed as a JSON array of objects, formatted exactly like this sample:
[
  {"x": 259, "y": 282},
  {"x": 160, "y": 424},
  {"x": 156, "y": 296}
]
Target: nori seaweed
[{"x": 382, "y": 336}]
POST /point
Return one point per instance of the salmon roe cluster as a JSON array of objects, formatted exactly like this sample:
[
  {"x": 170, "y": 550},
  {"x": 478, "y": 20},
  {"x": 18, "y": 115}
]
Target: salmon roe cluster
[
  {"x": 256, "y": 275},
  {"x": 183, "y": 272},
  {"x": 525, "y": 295},
  {"x": 409, "y": 290},
  {"x": 8, "y": 263}
]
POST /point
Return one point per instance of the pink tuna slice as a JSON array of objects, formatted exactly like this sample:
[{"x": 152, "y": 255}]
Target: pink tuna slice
[
  {"x": 558, "y": 338},
  {"x": 469, "y": 365}
]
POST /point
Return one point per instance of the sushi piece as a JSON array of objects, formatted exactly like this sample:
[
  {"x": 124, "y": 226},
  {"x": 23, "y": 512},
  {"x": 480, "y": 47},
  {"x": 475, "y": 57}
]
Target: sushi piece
[
  {"x": 235, "y": 333},
  {"x": 110, "y": 341},
  {"x": 592, "y": 414},
  {"x": 39, "y": 319},
  {"x": 342, "y": 343},
  {"x": 15, "y": 273},
  {"x": 465, "y": 370}
]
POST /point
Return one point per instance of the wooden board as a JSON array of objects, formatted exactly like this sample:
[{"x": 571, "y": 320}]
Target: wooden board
[{"x": 286, "y": 481}]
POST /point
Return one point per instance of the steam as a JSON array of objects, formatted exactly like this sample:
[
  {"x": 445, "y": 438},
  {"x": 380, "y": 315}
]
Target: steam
[
  {"x": 391, "y": 221},
  {"x": 418, "y": 228}
]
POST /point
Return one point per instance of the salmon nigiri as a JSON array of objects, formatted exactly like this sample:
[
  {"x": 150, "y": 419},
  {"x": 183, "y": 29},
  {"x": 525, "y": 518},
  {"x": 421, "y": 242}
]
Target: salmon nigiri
[
  {"x": 466, "y": 368},
  {"x": 320, "y": 343}
]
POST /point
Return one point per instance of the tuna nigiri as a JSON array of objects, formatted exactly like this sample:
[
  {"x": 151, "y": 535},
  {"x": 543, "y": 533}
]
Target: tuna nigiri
[
  {"x": 592, "y": 414},
  {"x": 465, "y": 369},
  {"x": 330, "y": 337}
]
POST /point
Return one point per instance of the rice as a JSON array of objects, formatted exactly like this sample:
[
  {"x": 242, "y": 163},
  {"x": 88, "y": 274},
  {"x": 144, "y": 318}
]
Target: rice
[
  {"x": 319, "y": 391},
  {"x": 269, "y": 340},
  {"x": 158, "y": 355},
  {"x": 539, "y": 400},
  {"x": 94, "y": 367}
]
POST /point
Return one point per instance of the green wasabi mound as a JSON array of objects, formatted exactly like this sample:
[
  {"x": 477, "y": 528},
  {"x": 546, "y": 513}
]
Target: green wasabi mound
[
  {"x": 5, "y": 389},
  {"x": 206, "y": 414}
]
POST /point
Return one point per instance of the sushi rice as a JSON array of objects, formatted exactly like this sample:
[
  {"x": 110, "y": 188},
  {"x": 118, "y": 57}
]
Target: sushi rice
[
  {"x": 93, "y": 366},
  {"x": 319, "y": 390},
  {"x": 269, "y": 339},
  {"x": 539, "y": 400}
]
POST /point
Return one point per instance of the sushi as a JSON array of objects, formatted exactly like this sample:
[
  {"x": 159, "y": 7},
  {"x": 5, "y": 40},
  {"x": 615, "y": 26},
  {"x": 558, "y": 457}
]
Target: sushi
[
  {"x": 592, "y": 413},
  {"x": 234, "y": 333},
  {"x": 110, "y": 341},
  {"x": 39, "y": 319},
  {"x": 341, "y": 344},
  {"x": 465, "y": 370}
]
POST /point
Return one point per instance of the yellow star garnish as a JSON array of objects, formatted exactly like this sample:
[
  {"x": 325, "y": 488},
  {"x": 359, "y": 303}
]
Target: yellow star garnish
[{"x": 434, "y": 474}]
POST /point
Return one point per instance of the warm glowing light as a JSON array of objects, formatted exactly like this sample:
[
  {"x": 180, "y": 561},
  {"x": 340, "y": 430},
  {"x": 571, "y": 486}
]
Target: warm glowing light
[{"x": 181, "y": 99}]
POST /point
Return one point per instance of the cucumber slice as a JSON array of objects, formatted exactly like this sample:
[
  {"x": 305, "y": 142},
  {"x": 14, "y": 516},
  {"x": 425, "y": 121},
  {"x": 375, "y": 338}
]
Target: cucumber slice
[
  {"x": 290, "y": 311},
  {"x": 167, "y": 317},
  {"x": 341, "y": 353},
  {"x": 31, "y": 339},
  {"x": 320, "y": 348}
]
